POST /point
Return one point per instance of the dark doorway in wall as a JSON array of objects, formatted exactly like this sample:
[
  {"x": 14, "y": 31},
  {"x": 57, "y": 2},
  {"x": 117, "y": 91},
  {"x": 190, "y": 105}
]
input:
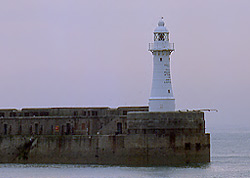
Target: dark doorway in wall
[
  {"x": 12, "y": 114},
  {"x": 125, "y": 112},
  {"x": 52, "y": 129},
  {"x": 31, "y": 130},
  {"x": 5, "y": 129},
  {"x": 187, "y": 146},
  {"x": 75, "y": 113},
  {"x": 44, "y": 113},
  {"x": 172, "y": 140},
  {"x": 2, "y": 114},
  {"x": 36, "y": 129},
  {"x": 119, "y": 128},
  {"x": 68, "y": 127},
  {"x": 20, "y": 130},
  {"x": 10, "y": 129},
  {"x": 41, "y": 130},
  {"x": 198, "y": 146},
  {"x": 62, "y": 131}
]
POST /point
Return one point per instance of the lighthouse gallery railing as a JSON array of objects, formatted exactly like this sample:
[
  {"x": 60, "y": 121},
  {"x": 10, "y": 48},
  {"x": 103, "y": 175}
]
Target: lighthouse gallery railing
[{"x": 161, "y": 46}]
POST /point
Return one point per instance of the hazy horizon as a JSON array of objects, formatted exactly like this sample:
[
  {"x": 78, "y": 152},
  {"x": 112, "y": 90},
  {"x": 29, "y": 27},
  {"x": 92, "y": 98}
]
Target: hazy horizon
[{"x": 95, "y": 53}]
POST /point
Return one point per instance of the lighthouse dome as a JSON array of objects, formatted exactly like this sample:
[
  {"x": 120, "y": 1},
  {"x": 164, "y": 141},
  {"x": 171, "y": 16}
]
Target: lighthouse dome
[
  {"x": 161, "y": 28},
  {"x": 161, "y": 22}
]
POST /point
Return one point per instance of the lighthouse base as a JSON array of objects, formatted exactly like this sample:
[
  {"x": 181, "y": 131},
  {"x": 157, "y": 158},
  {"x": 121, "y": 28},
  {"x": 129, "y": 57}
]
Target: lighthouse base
[{"x": 161, "y": 104}]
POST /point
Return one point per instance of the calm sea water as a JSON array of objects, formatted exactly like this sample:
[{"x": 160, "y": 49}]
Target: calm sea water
[{"x": 230, "y": 158}]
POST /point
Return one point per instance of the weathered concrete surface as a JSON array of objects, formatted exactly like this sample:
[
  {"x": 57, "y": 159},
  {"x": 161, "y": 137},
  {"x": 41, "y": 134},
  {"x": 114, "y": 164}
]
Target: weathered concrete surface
[
  {"x": 64, "y": 121},
  {"x": 167, "y": 120},
  {"x": 106, "y": 136},
  {"x": 133, "y": 150}
]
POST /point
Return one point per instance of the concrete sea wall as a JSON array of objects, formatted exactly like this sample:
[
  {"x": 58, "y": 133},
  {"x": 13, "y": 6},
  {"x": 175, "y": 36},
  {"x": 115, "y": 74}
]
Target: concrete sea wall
[
  {"x": 123, "y": 136},
  {"x": 133, "y": 150}
]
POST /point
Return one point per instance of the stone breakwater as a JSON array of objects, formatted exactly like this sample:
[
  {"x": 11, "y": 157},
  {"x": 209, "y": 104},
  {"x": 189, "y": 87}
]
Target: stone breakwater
[{"x": 123, "y": 136}]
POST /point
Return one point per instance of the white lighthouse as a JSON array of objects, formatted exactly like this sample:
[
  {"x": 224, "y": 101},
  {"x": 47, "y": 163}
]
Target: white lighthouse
[{"x": 161, "y": 98}]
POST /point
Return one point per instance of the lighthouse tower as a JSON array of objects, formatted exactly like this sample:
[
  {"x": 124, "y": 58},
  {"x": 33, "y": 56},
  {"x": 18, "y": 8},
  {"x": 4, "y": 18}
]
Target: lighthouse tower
[{"x": 161, "y": 98}]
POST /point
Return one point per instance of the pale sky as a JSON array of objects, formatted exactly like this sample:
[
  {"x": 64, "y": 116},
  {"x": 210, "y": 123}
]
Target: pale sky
[{"x": 95, "y": 53}]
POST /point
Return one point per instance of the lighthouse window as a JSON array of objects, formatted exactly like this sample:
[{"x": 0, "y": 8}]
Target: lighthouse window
[
  {"x": 160, "y": 59},
  {"x": 155, "y": 37},
  {"x": 168, "y": 91},
  {"x": 161, "y": 36}
]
